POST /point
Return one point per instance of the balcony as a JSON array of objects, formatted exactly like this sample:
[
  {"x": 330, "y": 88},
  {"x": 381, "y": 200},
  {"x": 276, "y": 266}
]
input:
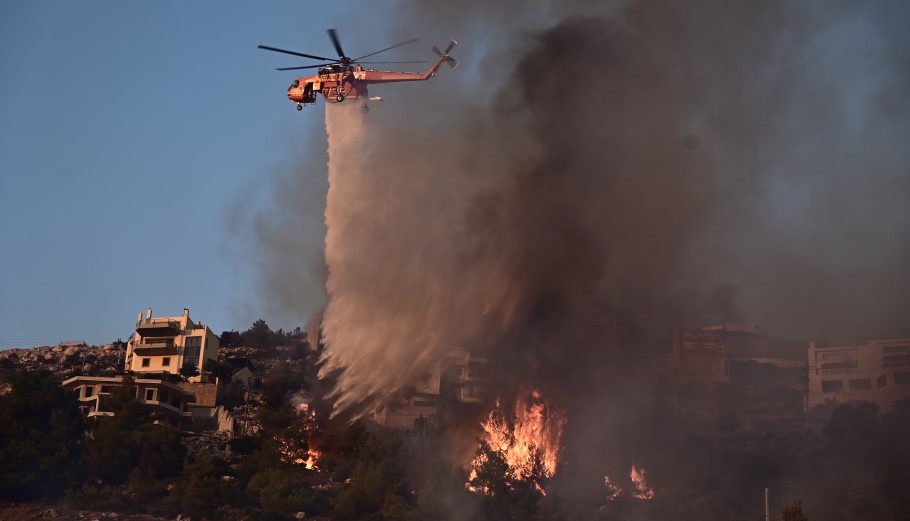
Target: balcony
[
  {"x": 151, "y": 327},
  {"x": 154, "y": 347}
]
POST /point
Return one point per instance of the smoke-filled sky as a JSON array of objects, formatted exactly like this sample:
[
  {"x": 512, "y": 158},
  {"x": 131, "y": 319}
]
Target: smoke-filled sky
[
  {"x": 674, "y": 164},
  {"x": 635, "y": 165}
]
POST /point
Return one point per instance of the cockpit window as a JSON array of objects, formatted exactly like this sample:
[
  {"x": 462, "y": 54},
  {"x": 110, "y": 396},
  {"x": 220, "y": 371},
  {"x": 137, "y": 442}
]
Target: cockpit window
[{"x": 295, "y": 84}]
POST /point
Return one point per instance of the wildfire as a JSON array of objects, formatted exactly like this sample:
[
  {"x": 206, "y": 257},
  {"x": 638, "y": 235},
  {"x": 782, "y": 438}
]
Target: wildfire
[
  {"x": 639, "y": 484},
  {"x": 291, "y": 446},
  {"x": 529, "y": 444},
  {"x": 312, "y": 459},
  {"x": 613, "y": 491}
]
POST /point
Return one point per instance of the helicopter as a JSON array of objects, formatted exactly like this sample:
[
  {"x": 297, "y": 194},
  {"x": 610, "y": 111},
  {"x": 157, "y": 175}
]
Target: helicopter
[{"x": 338, "y": 80}]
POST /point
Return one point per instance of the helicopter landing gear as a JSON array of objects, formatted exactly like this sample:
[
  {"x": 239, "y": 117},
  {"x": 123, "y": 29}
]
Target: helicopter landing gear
[
  {"x": 299, "y": 106},
  {"x": 339, "y": 98},
  {"x": 365, "y": 109}
]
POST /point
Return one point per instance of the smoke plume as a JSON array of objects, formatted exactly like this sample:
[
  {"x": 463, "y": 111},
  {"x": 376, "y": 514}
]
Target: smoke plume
[{"x": 579, "y": 189}]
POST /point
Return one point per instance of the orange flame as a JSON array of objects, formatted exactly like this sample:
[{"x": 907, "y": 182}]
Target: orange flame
[
  {"x": 642, "y": 490},
  {"x": 613, "y": 491},
  {"x": 312, "y": 460},
  {"x": 528, "y": 444},
  {"x": 290, "y": 448}
]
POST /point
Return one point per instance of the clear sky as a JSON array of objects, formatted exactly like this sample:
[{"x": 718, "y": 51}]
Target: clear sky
[{"x": 127, "y": 130}]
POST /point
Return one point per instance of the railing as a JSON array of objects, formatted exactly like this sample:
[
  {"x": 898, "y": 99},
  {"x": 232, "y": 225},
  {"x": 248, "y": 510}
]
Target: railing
[
  {"x": 155, "y": 342},
  {"x": 831, "y": 372}
]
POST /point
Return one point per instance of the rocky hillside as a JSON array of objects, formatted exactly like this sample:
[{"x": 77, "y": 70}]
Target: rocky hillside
[
  {"x": 66, "y": 360},
  {"x": 78, "y": 359}
]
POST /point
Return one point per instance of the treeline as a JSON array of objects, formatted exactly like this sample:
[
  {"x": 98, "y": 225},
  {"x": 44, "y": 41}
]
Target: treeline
[
  {"x": 261, "y": 336},
  {"x": 852, "y": 465},
  {"x": 135, "y": 463}
]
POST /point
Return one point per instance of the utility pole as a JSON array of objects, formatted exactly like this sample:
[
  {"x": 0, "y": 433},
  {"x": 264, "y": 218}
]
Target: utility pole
[{"x": 767, "y": 513}]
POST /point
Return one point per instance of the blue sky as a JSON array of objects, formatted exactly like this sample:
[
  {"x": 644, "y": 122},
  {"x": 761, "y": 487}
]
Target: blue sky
[{"x": 128, "y": 129}]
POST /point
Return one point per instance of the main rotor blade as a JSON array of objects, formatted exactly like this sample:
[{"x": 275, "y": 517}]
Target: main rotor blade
[
  {"x": 304, "y": 67},
  {"x": 386, "y": 49},
  {"x": 333, "y": 35},
  {"x": 266, "y": 47},
  {"x": 416, "y": 61}
]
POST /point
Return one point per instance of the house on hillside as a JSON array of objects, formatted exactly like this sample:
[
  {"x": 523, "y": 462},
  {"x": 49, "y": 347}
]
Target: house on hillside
[
  {"x": 168, "y": 399},
  {"x": 167, "y": 344},
  {"x": 160, "y": 347},
  {"x": 245, "y": 372},
  {"x": 877, "y": 371}
]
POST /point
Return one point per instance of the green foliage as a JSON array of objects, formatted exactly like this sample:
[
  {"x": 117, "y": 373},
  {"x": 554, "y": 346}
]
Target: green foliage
[
  {"x": 105, "y": 498},
  {"x": 277, "y": 385},
  {"x": 188, "y": 371},
  {"x": 379, "y": 487},
  {"x": 235, "y": 396},
  {"x": 261, "y": 336},
  {"x": 221, "y": 370},
  {"x": 40, "y": 430},
  {"x": 230, "y": 338},
  {"x": 130, "y": 446},
  {"x": 274, "y": 490},
  {"x": 275, "y": 420},
  {"x": 200, "y": 490}
]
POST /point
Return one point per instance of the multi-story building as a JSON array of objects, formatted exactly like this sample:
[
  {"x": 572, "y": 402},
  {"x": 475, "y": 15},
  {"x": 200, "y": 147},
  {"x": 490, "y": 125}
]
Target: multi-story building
[
  {"x": 708, "y": 354},
  {"x": 459, "y": 381},
  {"x": 167, "y": 399},
  {"x": 877, "y": 371},
  {"x": 167, "y": 344},
  {"x": 155, "y": 354}
]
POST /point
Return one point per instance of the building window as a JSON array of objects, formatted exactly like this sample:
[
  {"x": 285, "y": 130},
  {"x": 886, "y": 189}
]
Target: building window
[
  {"x": 166, "y": 361},
  {"x": 882, "y": 381},
  {"x": 149, "y": 395},
  {"x": 146, "y": 362},
  {"x": 106, "y": 389},
  {"x": 832, "y": 386},
  {"x": 89, "y": 389},
  {"x": 191, "y": 347},
  {"x": 902, "y": 378},
  {"x": 864, "y": 384}
]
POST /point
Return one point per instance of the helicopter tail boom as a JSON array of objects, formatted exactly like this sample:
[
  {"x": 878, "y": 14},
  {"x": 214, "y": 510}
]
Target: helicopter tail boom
[{"x": 443, "y": 58}]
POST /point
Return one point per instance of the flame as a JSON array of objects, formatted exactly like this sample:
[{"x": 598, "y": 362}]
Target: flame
[
  {"x": 290, "y": 448},
  {"x": 529, "y": 444},
  {"x": 642, "y": 490},
  {"x": 312, "y": 459},
  {"x": 613, "y": 491}
]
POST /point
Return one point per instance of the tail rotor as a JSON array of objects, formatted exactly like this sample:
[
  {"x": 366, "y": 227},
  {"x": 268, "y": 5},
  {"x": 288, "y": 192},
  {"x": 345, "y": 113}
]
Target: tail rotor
[{"x": 445, "y": 54}]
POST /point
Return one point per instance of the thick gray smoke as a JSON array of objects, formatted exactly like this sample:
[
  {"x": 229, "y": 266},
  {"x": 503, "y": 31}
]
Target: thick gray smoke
[{"x": 583, "y": 188}]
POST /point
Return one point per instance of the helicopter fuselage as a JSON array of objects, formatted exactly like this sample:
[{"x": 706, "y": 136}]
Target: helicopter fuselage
[{"x": 338, "y": 83}]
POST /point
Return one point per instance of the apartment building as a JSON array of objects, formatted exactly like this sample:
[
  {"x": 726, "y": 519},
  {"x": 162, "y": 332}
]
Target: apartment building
[
  {"x": 459, "y": 381},
  {"x": 877, "y": 371},
  {"x": 167, "y": 399},
  {"x": 708, "y": 354},
  {"x": 166, "y": 344}
]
